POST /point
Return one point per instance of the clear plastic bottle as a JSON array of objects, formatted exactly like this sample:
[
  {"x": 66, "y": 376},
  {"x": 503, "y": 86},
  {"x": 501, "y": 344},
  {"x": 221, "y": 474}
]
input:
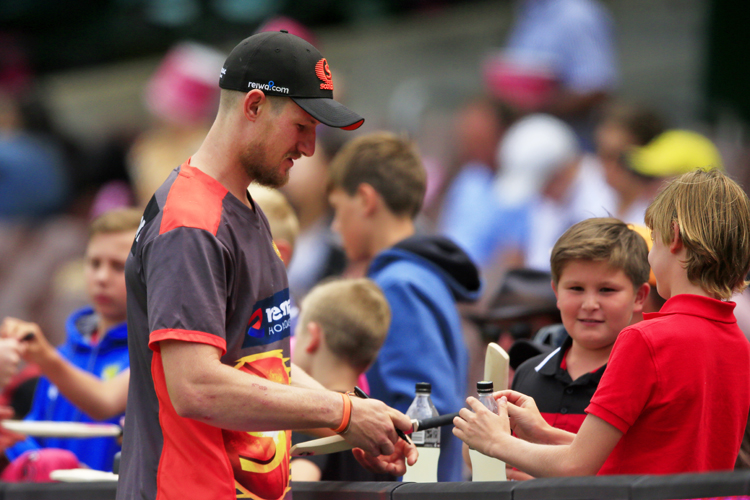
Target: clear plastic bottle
[
  {"x": 428, "y": 441},
  {"x": 484, "y": 468}
]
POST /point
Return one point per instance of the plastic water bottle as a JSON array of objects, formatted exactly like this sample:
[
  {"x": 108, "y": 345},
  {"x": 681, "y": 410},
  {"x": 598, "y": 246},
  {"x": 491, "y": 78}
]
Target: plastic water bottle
[
  {"x": 428, "y": 441},
  {"x": 484, "y": 468}
]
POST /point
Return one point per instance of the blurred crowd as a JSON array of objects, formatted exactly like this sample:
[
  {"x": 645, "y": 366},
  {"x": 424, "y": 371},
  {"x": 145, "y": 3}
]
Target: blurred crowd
[{"x": 546, "y": 143}]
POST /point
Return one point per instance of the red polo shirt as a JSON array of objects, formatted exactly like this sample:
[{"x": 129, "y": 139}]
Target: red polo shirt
[{"x": 678, "y": 386}]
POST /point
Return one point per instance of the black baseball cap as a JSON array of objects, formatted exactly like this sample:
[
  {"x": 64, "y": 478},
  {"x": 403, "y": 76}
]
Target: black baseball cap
[{"x": 285, "y": 65}]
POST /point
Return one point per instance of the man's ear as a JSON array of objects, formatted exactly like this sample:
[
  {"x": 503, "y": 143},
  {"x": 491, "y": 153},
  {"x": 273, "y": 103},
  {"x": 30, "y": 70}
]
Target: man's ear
[
  {"x": 676, "y": 244},
  {"x": 369, "y": 198},
  {"x": 640, "y": 297},
  {"x": 316, "y": 337},
  {"x": 251, "y": 104}
]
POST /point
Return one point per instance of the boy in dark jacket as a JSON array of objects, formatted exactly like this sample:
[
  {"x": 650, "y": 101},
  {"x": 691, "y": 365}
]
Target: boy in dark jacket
[{"x": 377, "y": 186}]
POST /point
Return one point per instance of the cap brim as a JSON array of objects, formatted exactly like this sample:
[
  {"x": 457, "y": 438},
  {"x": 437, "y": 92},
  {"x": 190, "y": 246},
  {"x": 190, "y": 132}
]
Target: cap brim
[{"x": 330, "y": 112}]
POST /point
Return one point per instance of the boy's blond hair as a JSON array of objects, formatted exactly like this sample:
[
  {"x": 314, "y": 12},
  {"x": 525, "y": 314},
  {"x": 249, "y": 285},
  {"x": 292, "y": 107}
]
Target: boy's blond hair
[
  {"x": 712, "y": 213},
  {"x": 603, "y": 239},
  {"x": 115, "y": 221},
  {"x": 388, "y": 163},
  {"x": 354, "y": 316},
  {"x": 280, "y": 214}
]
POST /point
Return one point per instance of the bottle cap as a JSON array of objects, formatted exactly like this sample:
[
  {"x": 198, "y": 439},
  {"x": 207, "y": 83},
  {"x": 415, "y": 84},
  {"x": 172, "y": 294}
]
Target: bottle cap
[
  {"x": 484, "y": 386},
  {"x": 424, "y": 387}
]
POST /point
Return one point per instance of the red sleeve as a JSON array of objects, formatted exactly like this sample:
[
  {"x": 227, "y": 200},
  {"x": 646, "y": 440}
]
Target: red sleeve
[{"x": 628, "y": 382}]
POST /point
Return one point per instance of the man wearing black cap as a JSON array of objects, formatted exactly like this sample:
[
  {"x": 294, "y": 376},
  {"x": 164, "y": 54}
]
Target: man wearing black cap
[{"x": 208, "y": 299}]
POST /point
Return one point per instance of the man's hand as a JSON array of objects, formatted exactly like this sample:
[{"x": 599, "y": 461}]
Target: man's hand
[
  {"x": 9, "y": 358},
  {"x": 481, "y": 429},
  {"x": 394, "y": 464},
  {"x": 34, "y": 348},
  {"x": 373, "y": 426},
  {"x": 525, "y": 420}
]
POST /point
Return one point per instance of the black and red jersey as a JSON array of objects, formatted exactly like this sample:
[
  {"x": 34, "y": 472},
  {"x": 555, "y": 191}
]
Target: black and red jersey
[{"x": 203, "y": 268}]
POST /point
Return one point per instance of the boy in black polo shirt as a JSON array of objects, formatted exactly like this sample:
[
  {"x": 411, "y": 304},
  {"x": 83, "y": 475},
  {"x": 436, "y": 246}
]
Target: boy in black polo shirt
[{"x": 599, "y": 274}]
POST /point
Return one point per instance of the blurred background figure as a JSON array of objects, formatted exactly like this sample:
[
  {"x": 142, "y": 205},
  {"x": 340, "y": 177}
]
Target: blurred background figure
[
  {"x": 560, "y": 59},
  {"x": 544, "y": 172},
  {"x": 182, "y": 97},
  {"x": 623, "y": 127}
]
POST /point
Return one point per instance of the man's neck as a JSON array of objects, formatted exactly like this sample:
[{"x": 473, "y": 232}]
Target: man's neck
[{"x": 216, "y": 159}]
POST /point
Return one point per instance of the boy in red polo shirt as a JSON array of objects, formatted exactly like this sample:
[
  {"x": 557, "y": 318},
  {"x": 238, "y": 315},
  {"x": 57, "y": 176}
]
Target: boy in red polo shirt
[{"x": 676, "y": 393}]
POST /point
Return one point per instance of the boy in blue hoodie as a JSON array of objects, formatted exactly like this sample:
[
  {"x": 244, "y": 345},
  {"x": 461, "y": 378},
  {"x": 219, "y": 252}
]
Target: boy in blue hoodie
[
  {"x": 96, "y": 341},
  {"x": 377, "y": 184}
]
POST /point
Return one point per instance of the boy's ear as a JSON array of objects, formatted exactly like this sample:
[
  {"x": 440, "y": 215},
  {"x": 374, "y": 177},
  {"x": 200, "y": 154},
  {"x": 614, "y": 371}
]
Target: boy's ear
[
  {"x": 640, "y": 297},
  {"x": 554, "y": 287},
  {"x": 251, "y": 104},
  {"x": 316, "y": 336},
  {"x": 369, "y": 198},
  {"x": 676, "y": 244}
]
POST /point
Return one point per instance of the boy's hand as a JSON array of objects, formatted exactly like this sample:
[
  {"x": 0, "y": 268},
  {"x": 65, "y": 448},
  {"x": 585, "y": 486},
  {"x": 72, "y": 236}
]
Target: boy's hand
[
  {"x": 525, "y": 420},
  {"x": 33, "y": 345},
  {"x": 481, "y": 429},
  {"x": 9, "y": 358},
  {"x": 394, "y": 464}
]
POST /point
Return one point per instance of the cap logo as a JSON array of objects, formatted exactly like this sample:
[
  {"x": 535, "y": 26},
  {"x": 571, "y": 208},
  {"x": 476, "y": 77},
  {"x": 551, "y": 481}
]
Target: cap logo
[{"x": 324, "y": 74}]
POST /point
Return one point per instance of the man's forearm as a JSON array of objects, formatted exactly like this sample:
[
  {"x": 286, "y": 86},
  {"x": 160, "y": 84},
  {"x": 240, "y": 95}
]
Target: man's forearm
[{"x": 540, "y": 460}]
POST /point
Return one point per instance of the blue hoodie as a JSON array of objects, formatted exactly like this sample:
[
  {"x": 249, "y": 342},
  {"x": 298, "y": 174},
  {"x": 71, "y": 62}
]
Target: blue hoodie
[
  {"x": 423, "y": 277},
  {"x": 104, "y": 359}
]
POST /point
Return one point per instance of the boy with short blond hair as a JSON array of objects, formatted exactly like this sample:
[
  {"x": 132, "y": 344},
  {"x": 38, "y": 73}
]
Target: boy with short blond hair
[
  {"x": 377, "y": 184},
  {"x": 342, "y": 325},
  {"x": 599, "y": 273},
  {"x": 676, "y": 393}
]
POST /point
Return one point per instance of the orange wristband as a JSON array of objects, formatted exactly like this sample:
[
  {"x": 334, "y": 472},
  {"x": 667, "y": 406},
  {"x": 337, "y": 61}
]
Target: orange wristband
[{"x": 347, "y": 418}]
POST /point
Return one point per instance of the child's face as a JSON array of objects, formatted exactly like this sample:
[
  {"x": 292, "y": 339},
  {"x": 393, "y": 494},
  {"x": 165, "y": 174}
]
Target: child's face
[
  {"x": 349, "y": 223},
  {"x": 104, "y": 273},
  {"x": 596, "y": 302}
]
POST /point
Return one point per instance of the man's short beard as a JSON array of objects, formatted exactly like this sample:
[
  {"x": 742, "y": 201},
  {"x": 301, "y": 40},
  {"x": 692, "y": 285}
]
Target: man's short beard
[{"x": 258, "y": 169}]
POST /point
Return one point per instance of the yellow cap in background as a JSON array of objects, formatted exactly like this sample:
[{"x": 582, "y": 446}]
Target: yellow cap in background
[{"x": 674, "y": 152}]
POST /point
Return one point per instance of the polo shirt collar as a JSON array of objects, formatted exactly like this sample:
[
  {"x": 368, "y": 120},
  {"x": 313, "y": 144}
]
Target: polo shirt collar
[
  {"x": 551, "y": 367},
  {"x": 696, "y": 305}
]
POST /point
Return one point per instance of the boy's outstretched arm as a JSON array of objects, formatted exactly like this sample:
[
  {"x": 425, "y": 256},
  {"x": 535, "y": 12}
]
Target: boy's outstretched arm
[
  {"x": 490, "y": 434},
  {"x": 527, "y": 422},
  {"x": 97, "y": 398}
]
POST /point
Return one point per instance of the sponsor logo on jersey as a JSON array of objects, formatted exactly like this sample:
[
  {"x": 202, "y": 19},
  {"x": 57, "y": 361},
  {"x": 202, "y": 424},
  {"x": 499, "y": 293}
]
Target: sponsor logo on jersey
[{"x": 270, "y": 320}]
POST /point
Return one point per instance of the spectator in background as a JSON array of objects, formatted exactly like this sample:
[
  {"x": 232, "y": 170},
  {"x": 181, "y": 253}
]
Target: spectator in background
[
  {"x": 182, "y": 97},
  {"x": 377, "y": 187},
  {"x": 96, "y": 343},
  {"x": 560, "y": 59},
  {"x": 319, "y": 254},
  {"x": 478, "y": 128},
  {"x": 342, "y": 326},
  {"x": 624, "y": 127},
  {"x": 544, "y": 173}
]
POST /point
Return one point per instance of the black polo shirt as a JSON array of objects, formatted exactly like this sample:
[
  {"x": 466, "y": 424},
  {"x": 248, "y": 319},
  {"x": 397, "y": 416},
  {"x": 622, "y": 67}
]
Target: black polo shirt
[{"x": 561, "y": 400}]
